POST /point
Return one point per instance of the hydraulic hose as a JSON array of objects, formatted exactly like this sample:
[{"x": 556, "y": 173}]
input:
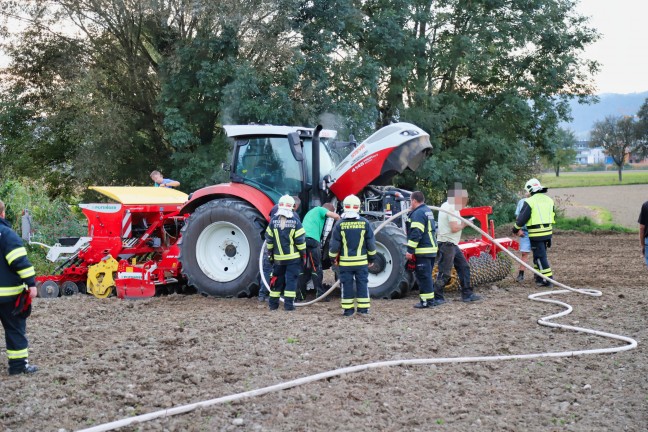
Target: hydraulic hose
[{"x": 543, "y": 321}]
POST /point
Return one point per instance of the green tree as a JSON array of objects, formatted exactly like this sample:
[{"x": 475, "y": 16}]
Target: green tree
[
  {"x": 561, "y": 152},
  {"x": 618, "y": 137},
  {"x": 642, "y": 131}
]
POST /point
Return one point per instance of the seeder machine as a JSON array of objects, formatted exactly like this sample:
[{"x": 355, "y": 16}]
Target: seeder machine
[{"x": 131, "y": 246}]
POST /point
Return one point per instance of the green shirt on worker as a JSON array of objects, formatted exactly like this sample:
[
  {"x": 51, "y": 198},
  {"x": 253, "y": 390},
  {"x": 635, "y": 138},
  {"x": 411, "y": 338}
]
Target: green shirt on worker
[{"x": 314, "y": 222}]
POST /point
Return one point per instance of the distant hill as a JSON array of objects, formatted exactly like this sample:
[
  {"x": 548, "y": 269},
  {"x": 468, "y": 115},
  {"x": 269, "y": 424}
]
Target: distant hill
[{"x": 609, "y": 104}]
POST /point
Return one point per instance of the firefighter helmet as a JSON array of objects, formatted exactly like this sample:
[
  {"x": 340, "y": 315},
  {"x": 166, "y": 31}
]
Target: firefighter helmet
[
  {"x": 286, "y": 202},
  {"x": 533, "y": 186},
  {"x": 351, "y": 203}
]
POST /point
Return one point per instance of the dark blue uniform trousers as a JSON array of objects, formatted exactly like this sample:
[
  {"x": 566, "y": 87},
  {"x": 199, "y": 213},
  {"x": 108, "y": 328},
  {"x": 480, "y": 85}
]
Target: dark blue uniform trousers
[
  {"x": 15, "y": 329},
  {"x": 286, "y": 283},
  {"x": 361, "y": 290},
  {"x": 423, "y": 273}
]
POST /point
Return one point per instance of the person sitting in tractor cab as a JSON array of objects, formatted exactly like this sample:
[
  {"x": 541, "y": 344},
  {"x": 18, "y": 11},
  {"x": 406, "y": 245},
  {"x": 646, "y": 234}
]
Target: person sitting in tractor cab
[{"x": 286, "y": 245}]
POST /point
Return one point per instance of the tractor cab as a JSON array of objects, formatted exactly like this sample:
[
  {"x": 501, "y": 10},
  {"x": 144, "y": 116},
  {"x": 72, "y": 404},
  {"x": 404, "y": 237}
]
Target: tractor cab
[{"x": 277, "y": 160}]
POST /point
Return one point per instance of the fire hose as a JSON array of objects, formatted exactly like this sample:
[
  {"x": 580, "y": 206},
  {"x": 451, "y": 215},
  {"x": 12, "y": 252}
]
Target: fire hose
[{"x": 543, "y": 321}]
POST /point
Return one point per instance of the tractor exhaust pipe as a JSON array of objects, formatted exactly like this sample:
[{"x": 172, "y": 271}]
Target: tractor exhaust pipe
[{"x": 316, "y": 194}]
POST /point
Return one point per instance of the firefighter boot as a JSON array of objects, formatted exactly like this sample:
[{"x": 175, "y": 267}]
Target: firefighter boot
[
  {"x": 273, "y": 303},
  {"x": 363, "y": 311},
  {"x": 348, "y": 312},
  {"x": 289, "y": 304},
  {"x": 423, "y": 304},
  {"x": 26, "y": 369}
]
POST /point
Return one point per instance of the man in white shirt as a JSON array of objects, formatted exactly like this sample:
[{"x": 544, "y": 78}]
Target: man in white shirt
[{"x": 449, "y": 254}]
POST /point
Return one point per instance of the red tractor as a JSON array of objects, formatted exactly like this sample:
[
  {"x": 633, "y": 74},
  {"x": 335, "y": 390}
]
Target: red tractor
[{"x": 223, "y": 235}]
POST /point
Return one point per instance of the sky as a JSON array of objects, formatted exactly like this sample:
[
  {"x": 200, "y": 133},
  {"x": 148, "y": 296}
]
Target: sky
[{"x": 622, "y": 49}]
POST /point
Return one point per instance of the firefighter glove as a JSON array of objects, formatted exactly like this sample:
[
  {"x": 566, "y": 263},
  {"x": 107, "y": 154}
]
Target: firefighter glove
[
  {"x": 22, "y": 307},
  {"x": 410, "y": 264}
]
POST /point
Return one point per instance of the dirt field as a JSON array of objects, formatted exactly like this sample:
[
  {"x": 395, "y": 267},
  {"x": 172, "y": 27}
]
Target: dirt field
[
  {"x": 623, "y": 202},
  {"x": 103, "y": 360}
]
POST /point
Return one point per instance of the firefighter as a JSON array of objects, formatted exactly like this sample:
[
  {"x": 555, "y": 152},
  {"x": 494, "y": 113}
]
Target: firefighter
[
  {"x": 16, "y": 273},
  {"x": 421, "y": 247},
  {"x": 287, "y": 253},
  {"x": 353, "y": 248},
  {"x": 538, "y": 214}
]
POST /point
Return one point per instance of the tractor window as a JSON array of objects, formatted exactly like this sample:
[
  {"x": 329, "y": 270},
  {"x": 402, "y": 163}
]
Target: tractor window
[{"x": 268, "y": 164}]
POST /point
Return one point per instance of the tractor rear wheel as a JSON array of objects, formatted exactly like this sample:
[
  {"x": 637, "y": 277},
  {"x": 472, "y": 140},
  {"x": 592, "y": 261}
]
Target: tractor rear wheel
[
  {"x": 219, "y": 248},
  {"x": 389, "y": 279}
]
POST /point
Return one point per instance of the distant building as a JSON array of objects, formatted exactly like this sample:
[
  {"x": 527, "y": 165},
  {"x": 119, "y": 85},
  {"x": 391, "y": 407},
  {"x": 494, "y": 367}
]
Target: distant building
[{"x": 586, "y": 155}]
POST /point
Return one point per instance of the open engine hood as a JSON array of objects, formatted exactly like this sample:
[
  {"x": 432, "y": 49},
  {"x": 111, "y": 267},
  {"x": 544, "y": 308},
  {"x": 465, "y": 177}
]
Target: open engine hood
[{"x": 387, "y": 152}]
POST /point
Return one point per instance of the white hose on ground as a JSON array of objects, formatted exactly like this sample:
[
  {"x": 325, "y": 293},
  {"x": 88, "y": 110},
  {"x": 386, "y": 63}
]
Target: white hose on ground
[{"x": 544, "y": 321}]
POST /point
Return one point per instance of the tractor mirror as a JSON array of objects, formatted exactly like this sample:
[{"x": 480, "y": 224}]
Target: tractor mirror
[
  {"x": 226, "y": 167},
  {"x": 296, "y": 146}
]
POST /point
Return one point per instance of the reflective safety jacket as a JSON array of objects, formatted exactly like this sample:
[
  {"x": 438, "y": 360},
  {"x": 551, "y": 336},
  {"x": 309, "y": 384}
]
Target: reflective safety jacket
[
  {"x": 15, "y": 269},
  {"x": 538, "y": 215},
  {"x": 287, "y": 243},
  {"x": 421, "y": 232},
  {"x": 353, "y": 240}
]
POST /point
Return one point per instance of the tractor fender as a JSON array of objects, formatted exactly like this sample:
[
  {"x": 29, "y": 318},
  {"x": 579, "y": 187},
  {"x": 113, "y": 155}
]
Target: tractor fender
[{"x": 255, "y": 197}]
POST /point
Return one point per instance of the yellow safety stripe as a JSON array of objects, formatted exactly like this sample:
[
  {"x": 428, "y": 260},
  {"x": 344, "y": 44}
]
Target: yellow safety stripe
[
  {"x": 300, "y": 232},
  {"x": 364, "y": 303},
  {"x": 371, "y": 253},
  {"x": 333, "y": 255},
  {"x": 348, "y": 303},
  {"x": 539, "y": 232},
  {"x": 26, "y": 272},
  {"x": 344, "y": 244},
  {"x": 301, "y": 246},
  {"x": 427, "y": 296},
  {"x": 426, "y": 250},
  {"x": 353, "y": 263},
  {"x": 290, "y": 237},
  {"x": 361, "y": 242},
  {"x": 418, "y": 225},
  {"x": 291, "y": 256},
  {"x": 278, "y": 241},
  {"x": 18, "y": 354},
  {"x": 14, "y": 254},
  {"x": 290, "y": 294},
  {"x": 274, "y": 294},
  {"x": 412, "y": 243},
  {"x": 11, "y": 291}
]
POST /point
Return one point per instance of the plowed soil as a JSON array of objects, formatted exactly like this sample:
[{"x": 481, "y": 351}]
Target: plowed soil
[{"x": 104, "y": 360}]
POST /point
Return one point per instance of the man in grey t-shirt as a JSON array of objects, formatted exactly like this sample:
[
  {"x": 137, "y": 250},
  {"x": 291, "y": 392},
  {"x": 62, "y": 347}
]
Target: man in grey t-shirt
[{"x": 449, "y": 254}]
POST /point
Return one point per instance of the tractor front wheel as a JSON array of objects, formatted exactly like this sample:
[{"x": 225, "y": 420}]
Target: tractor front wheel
[{"x": 220, "y": 246}]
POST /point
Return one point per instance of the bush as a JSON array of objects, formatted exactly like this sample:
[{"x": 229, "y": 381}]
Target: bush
[{"x": 51, "y": 218}]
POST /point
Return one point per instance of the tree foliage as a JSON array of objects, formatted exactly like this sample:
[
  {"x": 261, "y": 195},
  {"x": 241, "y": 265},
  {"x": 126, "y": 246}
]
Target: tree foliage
[
  {"x": 618, "y": 135},
  {"x": 561, "y": 151},
  {"x": 146, "y": 84}
]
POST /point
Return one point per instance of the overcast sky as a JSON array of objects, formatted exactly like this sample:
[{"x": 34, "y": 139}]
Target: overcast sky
[{"x": 623, "y": 47}]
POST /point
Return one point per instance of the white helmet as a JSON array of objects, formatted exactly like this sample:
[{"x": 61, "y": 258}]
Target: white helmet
[
  {"x": 286, "y": 202},
  {"x": 286, "y": 205},
  {"x": 351, "y": 204},
  {"x": 533, "y": 185}
]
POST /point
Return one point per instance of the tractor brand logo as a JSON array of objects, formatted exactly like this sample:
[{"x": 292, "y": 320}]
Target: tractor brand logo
[
  {"x": 129, "y": 275},
  {"x": 363, "y": 163},
  {"x": 102, "y": 208},
  {"x": 357, "y": 151}
]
